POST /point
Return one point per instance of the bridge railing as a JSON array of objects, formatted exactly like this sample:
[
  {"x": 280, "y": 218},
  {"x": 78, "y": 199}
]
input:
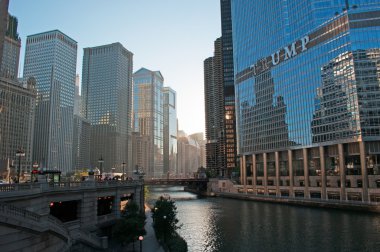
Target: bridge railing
[
  {"x": 45, "y": 222},
  {"x": 57, "y": 186}
]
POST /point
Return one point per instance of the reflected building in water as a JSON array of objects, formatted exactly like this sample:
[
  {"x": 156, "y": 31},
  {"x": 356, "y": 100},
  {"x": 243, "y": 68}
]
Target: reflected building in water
[{"x": 307, "y": 93}]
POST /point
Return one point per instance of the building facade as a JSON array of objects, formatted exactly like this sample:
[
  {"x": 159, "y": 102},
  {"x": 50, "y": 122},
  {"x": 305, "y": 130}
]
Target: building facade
[
  {"x": 308, "y": 98},
  {"x": 170, "y": 130},
  {"x": 17, "y": 105},
  {"x": 50, "y": 58},
  {"x": 188, "y": 156},
  {"x": 107, "y": 103},
  {"x": 214, "y": 111},
  {"x": 11, "y": 50},
  {"x": 148, "y": 116},
  {"x": 229, "y": 117},
  {"x": 3, "y": 25}
]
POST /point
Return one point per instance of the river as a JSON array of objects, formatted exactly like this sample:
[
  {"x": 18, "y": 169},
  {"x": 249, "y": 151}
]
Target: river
[{"x": 226, "y": 225}]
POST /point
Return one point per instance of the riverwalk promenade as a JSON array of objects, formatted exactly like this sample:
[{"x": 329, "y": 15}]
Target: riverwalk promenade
[{"x": 149, "y": 244}]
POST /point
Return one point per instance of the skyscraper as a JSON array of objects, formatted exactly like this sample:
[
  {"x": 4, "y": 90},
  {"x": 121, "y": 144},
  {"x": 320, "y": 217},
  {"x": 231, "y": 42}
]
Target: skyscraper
[
  {"x": 170, "y": 131},
  {"x": 148, "y": 116},
  {"x": 107, "y": 98},
  {"x": 3, "y": 25},
  {"x": 306, "y": 85},
  {"x": 229, "y": 125},
  {"x": 50, "y": 57},
  {"x": 214, "y": 111},
  {"x": 11, "y": 50}
]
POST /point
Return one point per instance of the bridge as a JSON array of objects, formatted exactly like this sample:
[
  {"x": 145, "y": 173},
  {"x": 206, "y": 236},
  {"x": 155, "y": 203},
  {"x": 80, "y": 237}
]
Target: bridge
[
  {"x": 198, "y": 185},
  {"x": 62, "y": 216}
]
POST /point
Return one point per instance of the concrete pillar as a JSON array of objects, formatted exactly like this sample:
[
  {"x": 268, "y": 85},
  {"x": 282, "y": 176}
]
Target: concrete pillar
[
  {"x": 306, "y": 172},
  {"x": 323, "y": 171},
  {"x": 241, "y": 170},
  {"x": 342, "y": 170},
  {"x": 89, "y": 209},
  {"x": 254, "y": 176},
  {"x": 245, "y": 173},
  {"x": 291, "y": 178},
  {"x": 277, "y": 164},
  {"x": 116, "y": 204},
  {"x": 265, "y": 174},
  {"x": 363, "y": 166}
]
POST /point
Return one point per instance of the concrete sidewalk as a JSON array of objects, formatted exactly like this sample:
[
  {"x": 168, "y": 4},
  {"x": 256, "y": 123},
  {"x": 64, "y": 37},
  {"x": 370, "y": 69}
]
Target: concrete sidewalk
[{"x": 150, "y": 243}]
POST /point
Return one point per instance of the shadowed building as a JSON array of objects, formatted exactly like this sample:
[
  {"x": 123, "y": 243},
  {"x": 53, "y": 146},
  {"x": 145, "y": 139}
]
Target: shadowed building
[
  {"x": 107, "y": 103},
  {"x": 50, "y": 57}
]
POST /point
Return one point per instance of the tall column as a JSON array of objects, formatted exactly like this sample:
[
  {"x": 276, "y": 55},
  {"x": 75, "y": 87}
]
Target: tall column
[
  {"x": 265, "y": 174},
  {"x": 277, "y": 163},
  {"x": 291, "y": 182},
  {"x": 342, "y": 170},
  {"x": 363, "y": 166},
  {"x": 245, "y": 173},
  {"x": 306, "y": 172},
  {"x": 254, "y": 177},
  {"x": 323, "y": 171},
  {"x": 241, "y": 171}
]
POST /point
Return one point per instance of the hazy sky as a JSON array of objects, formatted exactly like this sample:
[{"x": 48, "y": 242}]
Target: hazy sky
[{"x": 172, "y": 36}]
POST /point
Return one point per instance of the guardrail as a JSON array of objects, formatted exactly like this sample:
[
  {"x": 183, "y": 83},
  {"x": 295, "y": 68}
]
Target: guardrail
[{"x": 57, "y": 186}]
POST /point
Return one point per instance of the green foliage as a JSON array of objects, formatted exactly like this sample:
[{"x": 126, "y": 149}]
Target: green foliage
[
  {"x": 128, "y": 228},
  {"x": 177, "y": 244},
  {"x": 164, "y": 217}
]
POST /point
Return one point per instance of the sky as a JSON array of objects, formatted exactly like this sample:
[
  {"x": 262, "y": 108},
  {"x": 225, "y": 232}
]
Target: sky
[{"x": 171, "y": 36}]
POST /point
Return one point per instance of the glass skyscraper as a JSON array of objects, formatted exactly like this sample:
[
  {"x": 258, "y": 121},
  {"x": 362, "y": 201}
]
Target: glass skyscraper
[
  {"x": 107, "y": 103},
  {"x": 307, "y": 86},
  {"x": 170, "y": 131},
  {"x": 50, "y": 58},
  {"x": 148, "y": 116}
]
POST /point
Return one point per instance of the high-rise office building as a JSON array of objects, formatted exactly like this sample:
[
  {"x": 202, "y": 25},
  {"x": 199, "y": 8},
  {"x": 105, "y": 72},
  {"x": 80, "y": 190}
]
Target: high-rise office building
[
  {"x": 11, "y": 50},
  {"x": 170, "y": 131},
  {"x": 188, "y": 155},
  {"x": 214, "y": 111},
  {"x": 148, "y": 116},
  {"x": 106, "y": 101},
  {"x": 17, "y": 105},
  {"x": 50, "y": 58},
  {"x": 229, "y": 125},
  {"x": 81, "y": 135},
  {"x": 3, "y": 25},
  {"x": 307, "y": 91}
]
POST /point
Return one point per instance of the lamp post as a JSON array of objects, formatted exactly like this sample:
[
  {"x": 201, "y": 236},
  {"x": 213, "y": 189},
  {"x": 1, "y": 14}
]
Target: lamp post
[
  {"x": 141, "y": 238},
  {"x": 165, "y": 228},
  {"x": 123, "y": 171},
  {"x": 101, "y": 161},
  {"x": 20, "y": 153}
]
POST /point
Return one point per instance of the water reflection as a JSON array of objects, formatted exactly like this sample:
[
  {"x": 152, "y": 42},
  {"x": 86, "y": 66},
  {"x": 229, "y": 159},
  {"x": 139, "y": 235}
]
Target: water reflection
[{"x": 216, "y": 224}]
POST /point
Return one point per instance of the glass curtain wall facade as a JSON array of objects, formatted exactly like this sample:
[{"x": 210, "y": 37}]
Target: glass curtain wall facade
[
  {"x": 107, "y": 103},
  {"x": 307, "y": 92},
  {"x": 50, "y": 58},
  {"x": 170, "y": 131},
  {"x": 229, "y": 131},
  {"x": 148, "y": 116}
]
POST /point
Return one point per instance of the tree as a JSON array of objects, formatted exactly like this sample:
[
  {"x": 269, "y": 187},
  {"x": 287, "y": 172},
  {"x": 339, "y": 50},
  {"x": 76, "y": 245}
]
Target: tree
[
  {"x": 130, "y": 226},
  {"x": 165, "y": 219}
]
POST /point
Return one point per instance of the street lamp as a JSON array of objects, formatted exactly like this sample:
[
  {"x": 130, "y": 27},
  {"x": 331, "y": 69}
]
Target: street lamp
[
  {"x": 141, "y": 238},
  {"x": 20, "y": 153},
  {"x": 101, "y": 161},
  {"x": 165, "y": 228},
  {"x": 123, "y": 178}
]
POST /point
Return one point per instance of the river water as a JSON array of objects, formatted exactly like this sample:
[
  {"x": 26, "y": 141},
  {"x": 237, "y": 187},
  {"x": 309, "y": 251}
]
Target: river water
[{"x": 226, "y": 225}]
